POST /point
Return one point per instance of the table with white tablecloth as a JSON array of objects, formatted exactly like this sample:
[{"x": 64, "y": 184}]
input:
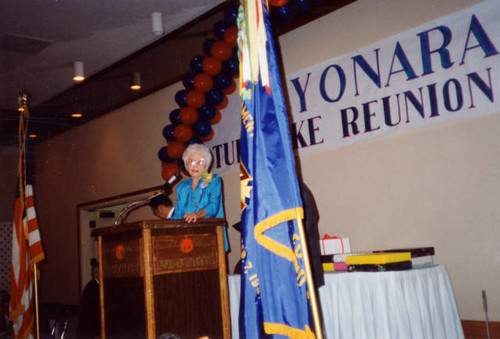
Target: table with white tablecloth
[{"x": 412, "y": 304}]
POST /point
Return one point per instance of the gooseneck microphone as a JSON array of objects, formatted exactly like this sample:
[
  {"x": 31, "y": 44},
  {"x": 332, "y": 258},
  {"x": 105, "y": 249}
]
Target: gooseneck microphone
[{"x": 138, "y": 203}]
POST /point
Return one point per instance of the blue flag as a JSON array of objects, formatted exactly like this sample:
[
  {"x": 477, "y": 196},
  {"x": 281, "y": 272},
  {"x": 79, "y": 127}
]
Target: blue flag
[{"x": 274, "y": 299}]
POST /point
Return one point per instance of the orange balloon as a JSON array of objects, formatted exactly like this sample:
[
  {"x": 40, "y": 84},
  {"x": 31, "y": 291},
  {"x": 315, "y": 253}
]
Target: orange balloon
[
  {"x": 195, "y": 99},
  {"x": 223, "y": 103},
  {"x": 188, "y": 115},
  {"x": 221, "y": 50},
  {"x": 231, "y": 36},
  {"x": 209, "y": 137},
  {"x": 175, "y": 149},
  {"x": 230, "y": 89},
  {"x": 168, "y": 169},
  {"x": 217, "y": 118},
  {"x": 211, "y": 66},
  {"x": 278, "y": 3},
  {"x": 183, "y": 133},
  {"x": 203, "y": 82}
]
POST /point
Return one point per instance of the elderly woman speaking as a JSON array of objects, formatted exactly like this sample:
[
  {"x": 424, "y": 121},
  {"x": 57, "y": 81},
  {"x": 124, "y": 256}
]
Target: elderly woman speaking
[{"x": 201, "y": 195}]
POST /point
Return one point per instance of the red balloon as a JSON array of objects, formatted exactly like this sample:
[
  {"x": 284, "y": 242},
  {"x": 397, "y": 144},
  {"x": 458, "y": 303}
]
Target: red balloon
[
  {"x": 208, "y": 137},
  {"x": 278, "y": 3},
  {"x": 230, "y": 89},
  {"x": 188, "y": 115},
  {"x": 183, "y": 133},
  {"x": 217, "y": 117},
  {"x": 195, "y": 99},
  {"x": 203, "y": 82},
  {"x": 169, "y": 169},
  {"x": 231, "y": 36},
  {"x": 211, "y": 66},
  {"x": 223, "y": 104},
  {"x": 175, "y": 149},
  {"x": 221, "y": 50}
]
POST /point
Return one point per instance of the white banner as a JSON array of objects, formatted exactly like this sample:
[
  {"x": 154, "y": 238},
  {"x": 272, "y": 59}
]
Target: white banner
[{"x": 442, "y": 71}]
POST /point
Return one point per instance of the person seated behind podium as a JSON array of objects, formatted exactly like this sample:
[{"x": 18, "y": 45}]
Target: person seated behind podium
[
  {"x": 162, "y": 206},
  {"x": 89, "y": 323},
  {"x": 201, "y": 195}
]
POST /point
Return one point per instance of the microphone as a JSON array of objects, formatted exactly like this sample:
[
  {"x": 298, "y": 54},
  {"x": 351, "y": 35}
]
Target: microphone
[{"x": 168, "y": 185}]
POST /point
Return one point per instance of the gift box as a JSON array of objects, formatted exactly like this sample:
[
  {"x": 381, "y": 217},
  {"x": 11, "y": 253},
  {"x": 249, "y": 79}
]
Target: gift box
[
  {"x": 341, "y": 256},
  {"x": 334, "y": 245},
  {"x": 330, "y": 266},
  {"x": 415, "y": 251},
  {"x": 392, "y": 266},
  {"x": 378, "y": 258}
]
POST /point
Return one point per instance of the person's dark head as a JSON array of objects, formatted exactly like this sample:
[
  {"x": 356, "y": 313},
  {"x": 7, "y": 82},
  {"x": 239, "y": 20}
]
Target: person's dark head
[{"x": 161, "y": 206}]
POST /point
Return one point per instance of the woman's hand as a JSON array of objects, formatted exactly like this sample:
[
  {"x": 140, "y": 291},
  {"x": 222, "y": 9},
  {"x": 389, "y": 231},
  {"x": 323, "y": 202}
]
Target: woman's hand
[{"x": 193, "y": 217}]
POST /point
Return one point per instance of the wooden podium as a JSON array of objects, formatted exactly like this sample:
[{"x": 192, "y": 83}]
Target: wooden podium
[{"x": 163, "y": 276}]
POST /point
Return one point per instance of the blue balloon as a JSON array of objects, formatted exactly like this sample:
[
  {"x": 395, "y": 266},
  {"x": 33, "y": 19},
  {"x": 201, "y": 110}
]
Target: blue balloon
[
  {"x": 195, "y": 140},
  {"x": 284, "y": 14},
  {"x": 207, "y": 46},
  {"x": 302, "y": 5},
  {"x": 163, "y": 156},
  {"x": 231, "y": 66},
  {"x": 202, "y": 128},
  {"x": 231, "y": 14},
  {"x": 214, "y": 96},
  {"x": 180, "y": 97},
  {"x": 188, "y": 81},
  {"x": 168, "y": 132},
  {"x": 219, "y": 29},
  {"x": 180, "y": 162},
  {"x": 223, "y": 80},
  {"x": 175, "y": 117},
  {"x": 207, "y": 112},
  {"x": 197, "y": 64}
]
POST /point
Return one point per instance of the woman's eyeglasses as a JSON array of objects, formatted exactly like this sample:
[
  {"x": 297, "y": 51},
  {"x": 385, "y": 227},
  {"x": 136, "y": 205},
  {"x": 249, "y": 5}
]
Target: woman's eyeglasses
[{"x": 200, "y": 162}]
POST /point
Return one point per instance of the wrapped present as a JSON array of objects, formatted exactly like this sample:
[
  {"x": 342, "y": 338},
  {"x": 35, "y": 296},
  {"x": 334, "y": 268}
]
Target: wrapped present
[
  {"x": 340, "y": 266},
  {"x": 377, "y": 258},
  {"x": 341, "y": 256},
  {"x": 328, "y": 267},
  {"x": 415, "y": 251},
  {"x": 334, "y": 266},
  {"x": 424, "y": 261},
  {"x": 334, "y": 245},
  {"x": 391, "y": 266}
]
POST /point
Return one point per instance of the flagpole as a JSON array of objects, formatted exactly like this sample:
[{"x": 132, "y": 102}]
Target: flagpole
[
  {"x": 309, "y": 278},
  {"x": 35, "y": 283}
]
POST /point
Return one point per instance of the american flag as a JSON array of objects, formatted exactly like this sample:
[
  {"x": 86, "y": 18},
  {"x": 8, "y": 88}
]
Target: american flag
[{"x": 26, "y": 243}]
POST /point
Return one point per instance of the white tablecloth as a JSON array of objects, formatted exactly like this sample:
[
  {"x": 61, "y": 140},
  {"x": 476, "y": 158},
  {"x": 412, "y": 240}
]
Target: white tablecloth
[{"x": 413, "y": 304}]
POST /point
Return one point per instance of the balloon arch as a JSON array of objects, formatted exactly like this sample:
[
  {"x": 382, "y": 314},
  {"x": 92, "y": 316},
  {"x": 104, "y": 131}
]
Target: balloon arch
[{"x": 211, "y": 79}]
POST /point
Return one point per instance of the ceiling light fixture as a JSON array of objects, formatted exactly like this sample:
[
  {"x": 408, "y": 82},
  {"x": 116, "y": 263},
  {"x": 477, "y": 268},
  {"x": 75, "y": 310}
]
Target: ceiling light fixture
[
  {"x": 136, "y": 81},
  {"x": 157, "y": 19},
  {"x": 76, "y": 115},
  {"x": 33, "y": 136},
  {"x": 78, "y": 71}
]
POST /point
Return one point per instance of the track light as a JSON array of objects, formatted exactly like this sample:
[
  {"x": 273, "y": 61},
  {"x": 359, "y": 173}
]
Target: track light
[
  {"x": 157, "y": 19},
  {"x": 136, "y": 81},
  {"x": 78, "y": 71}
]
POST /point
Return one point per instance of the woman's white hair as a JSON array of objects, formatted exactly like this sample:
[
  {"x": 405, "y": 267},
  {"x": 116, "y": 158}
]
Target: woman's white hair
[{"x": 198, "y": 148}]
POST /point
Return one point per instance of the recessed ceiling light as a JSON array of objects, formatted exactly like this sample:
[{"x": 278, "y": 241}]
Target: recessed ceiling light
[
  {"x": 76, "y": 115},
  {"x": 136, "y": 81},
  {"x": 32, "y": 136},
  {"x": 78, "y": 71}
]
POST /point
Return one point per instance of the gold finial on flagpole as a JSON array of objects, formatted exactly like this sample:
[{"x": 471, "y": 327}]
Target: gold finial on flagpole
[{"x": 23, "y": 100}]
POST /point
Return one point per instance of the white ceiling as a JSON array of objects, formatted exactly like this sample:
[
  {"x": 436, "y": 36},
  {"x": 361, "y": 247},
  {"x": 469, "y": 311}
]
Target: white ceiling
[{"x": 40, "y": 39}]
